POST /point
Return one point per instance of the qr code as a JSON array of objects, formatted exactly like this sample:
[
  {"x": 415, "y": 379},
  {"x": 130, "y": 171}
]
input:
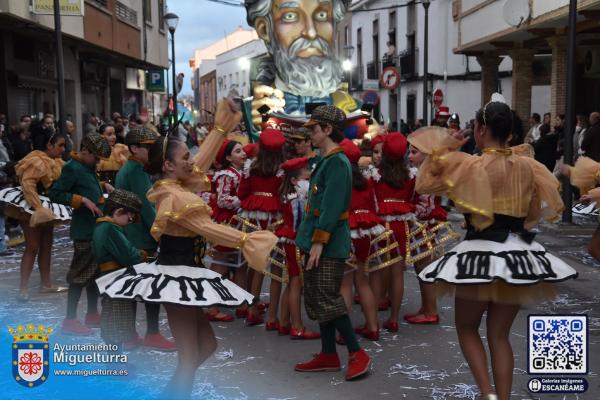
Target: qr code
[{"x": 557, "y": 344}]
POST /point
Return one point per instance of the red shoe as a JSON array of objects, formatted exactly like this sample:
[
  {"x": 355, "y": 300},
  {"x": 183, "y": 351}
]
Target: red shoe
[
  {"x": 223, "y": 318},
  {"x": 241, "y": 313},
  {"x": 303, "y": 334},
  {"x": 391, "y": 326},
  {"x": 252, "y": 320},
  {"x": 360, "y": 329},
  {"x": 424, "y": 319},
  {"x": 358, "y": 364},
  {"x": 272, "y": 326},
  {"x": 133, "y": 343},
  {"x": 262, "y": 306},
  {"x": 356, "y": 299},
  {"x": 158, "y": 342},
  {"x": 283, "y": 330},
  {"x": 320, "y": 363},
  {"x": 74, "y": 327},
  {"x": 371, "y": 335},
  {"x": 92, "y": 320},
  {"x": 339, "y": 339},
  {"x": 384, "y": 305}
]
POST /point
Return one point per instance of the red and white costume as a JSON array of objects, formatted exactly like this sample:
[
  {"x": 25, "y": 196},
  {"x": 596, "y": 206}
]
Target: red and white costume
[{"x": 395, "y": 205}]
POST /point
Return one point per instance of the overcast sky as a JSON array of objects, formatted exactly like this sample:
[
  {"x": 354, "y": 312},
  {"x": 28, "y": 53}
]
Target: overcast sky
[{"x": 201, "y": 22}]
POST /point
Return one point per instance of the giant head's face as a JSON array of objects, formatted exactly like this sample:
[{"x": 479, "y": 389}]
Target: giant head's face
[{"x": 299, "y": 36}]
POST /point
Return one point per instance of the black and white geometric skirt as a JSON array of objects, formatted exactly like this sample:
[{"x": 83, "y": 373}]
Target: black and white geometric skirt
[
  {"x": 504, "y": 270},
  {"x": 176, "y": 284}
]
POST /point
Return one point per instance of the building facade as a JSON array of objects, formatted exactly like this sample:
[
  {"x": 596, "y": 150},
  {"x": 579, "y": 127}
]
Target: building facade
[
  {"x": 106, "y": 52},
  {"x": 535, "y": 38},
  {"x": 205, "y": 102},
  {"x": 233, "y": 68}
]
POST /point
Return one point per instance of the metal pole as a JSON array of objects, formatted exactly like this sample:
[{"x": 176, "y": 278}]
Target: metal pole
[
  {"x": 425, "y": 61},
  {"x": 59, "y": 68},
  {"x": 570, "y": 112},
  {"x": 174, "y": 79}
]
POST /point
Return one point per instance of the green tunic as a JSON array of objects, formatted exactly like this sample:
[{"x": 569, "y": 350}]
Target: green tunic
[
  {"x": 326, "y": 219},
  {"x": 78, "y": 180},
  {"x": 133, "y": 178},
  {"x": 111, "y": 244}
]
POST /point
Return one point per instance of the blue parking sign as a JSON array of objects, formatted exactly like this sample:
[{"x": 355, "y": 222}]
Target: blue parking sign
[{"x": 155, "y": 80}]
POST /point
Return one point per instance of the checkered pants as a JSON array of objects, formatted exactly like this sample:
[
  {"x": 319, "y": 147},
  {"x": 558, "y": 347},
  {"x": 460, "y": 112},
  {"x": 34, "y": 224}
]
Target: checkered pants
[
  {"x": 117, "y": 324},
  {"x": 83, "y": 268},
  {"x": 322, "y": 285}
]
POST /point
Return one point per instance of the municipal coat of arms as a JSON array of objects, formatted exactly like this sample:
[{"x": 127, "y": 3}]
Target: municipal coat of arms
[{"x": 30, "y": 354}]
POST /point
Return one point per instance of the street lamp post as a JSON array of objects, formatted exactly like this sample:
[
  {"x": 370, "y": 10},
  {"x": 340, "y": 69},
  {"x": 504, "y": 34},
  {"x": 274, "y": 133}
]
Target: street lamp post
[
  {"x": 426, "y": 4},
  {"x": 347, "y": 64},
  {"x": 171, "y": 19},
  {"x": 570, "y": 111}
]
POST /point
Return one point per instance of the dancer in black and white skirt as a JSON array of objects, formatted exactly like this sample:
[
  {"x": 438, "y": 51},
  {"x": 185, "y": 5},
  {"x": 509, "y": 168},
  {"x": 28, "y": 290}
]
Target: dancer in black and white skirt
[{"x": 498, "y": 266}]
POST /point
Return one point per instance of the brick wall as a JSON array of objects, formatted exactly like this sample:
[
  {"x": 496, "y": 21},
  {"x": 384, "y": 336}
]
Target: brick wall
[
  {"x": 558, "y": 77},
  {"x": 522, "y": 79},
  {"x": 489, "y": 75}
]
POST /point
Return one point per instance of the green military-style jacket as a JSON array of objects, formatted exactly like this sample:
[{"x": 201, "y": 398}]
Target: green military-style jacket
[
  {"x": 110, "y": 245},
  {"x": 76, "y": 181},
  {"x": 326, "y": 217},
  {"x": 132, "y": 177}
]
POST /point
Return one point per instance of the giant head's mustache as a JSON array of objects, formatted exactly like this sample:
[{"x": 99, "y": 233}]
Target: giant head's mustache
[{"x": 303, "y": 44}]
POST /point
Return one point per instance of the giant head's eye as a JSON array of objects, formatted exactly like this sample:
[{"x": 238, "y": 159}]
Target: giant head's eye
[
  {"x": 321, "y": 16},
  {"x": 290, "y": 17}
]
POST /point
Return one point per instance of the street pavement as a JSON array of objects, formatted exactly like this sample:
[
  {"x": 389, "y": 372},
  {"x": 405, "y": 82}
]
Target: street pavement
[{"x": 418, "y": 362}]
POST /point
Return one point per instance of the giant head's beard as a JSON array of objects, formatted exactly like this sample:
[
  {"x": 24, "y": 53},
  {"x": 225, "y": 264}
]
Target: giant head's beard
[{"x": 313, "y": 76}]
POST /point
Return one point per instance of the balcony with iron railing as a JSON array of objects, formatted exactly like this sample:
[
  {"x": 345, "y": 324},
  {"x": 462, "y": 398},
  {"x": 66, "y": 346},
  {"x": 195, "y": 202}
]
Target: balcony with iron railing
[
  {"x": 373, "y": 70},
  {"x": 408, "y": 64}
]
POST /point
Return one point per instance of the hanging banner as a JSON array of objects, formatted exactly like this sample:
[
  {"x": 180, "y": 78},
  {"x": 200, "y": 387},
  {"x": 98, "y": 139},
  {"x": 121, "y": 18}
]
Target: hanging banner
[{"x": 67, "y": 7}]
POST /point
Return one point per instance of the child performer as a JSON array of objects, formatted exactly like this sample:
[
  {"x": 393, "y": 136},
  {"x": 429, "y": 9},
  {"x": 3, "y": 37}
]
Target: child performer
[
  {"x": 183, "y": 219},
  {"x": 78, "y": 186},
  {"x": 586, "y": 176},
  {"x": 107, "y": 169},
  {"x": 394, "y": 190},
  {"x": 365, "y": 230},
  {"x": 133, "y": 178},
  {"x": 260, "y": 207},
  {"x": 293, "y": 192},
  {"x": 436, "y": 231},
  {"x": 226, "y": 181},
  {"x": 36, "y": 173},
  {"x": 498, "y": 266},
  {"x": 114, "y": 252},
  {"x": 324, "y": 236}
]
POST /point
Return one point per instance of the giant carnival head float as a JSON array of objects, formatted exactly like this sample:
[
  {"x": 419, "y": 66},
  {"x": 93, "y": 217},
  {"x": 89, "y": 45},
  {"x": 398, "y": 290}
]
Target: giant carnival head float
[{"x": 299, "y": 35}]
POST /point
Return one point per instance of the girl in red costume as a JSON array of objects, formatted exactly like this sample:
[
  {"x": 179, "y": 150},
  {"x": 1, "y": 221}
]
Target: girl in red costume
[
  {"x": 225, "y": 204},
  {"x": 365, "y": 228},
  {"x": 293, "y": 194},
  {"x": 394, "y": 190},
  {"x": 261, "y": 209}
]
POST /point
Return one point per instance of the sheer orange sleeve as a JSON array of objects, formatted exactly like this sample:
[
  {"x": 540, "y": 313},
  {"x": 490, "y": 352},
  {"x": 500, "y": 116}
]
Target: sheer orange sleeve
[
  {"x": 462, "y": 178},
  {"x": 546, "y": 202},
  {"x": 585, "y": 174}
]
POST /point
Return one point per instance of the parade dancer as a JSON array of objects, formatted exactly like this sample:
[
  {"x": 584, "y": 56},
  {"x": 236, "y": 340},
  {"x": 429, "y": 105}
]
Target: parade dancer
[
  {"x": 225, "y": 204},
  {"x": 394, "y": 190},
  {"x": 182, "y": 223},
  {"x": 586, "y": 176},
  {"x": 114, "y": 252},
  {"x": 293, "y": 194},
  {"x": 119, "y": 154},
  {"x": 366, "y": 230},
  {"x": 133, "y": 178},
  {"x": 498, "y": 266},
  {"x": 36, "y": 173},
  {"x": 78, "y": 186},
  {"x": 437, "y": 232},
  {"x": 324, "y": 236},
  {"x": 260, "y": 207}
]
